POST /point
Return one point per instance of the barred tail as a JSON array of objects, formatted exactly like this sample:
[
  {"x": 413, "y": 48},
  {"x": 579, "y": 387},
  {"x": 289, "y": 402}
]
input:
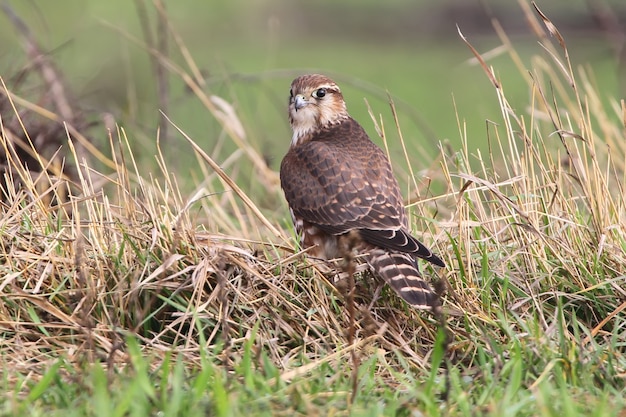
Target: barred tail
[{"x": 399, "y": 271}]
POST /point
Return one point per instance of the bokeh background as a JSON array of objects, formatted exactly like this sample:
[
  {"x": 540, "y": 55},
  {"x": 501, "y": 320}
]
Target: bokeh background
[{"x": 249, "y": 51}]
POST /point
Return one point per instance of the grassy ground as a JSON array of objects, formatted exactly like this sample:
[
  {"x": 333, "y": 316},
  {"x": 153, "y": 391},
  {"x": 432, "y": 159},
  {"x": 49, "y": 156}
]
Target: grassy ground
[{"x": 123, "y": 295}]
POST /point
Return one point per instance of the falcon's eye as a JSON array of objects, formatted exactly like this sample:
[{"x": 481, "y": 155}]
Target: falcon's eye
[
  {"x": 319, "y": 93},
  {"x": 291, "y": 92}
]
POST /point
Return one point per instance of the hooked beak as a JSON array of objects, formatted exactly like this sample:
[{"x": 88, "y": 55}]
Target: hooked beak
[{"x": 300, "y": 102}]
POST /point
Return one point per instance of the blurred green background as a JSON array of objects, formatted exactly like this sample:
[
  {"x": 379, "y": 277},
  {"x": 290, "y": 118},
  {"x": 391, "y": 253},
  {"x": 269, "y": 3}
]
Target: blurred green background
[{"x": 249, "y": 51}]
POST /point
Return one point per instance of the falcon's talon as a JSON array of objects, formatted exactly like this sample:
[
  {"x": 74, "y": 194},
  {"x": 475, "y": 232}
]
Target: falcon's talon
[{"x": 337, "y": 181}]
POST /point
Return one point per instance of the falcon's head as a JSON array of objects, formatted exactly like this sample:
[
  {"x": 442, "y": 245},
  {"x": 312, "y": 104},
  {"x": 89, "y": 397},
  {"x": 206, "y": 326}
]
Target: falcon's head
[{"x": 315, "y": 101}]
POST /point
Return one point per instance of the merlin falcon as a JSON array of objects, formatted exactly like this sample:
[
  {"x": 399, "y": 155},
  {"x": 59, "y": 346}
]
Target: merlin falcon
[{"x": 337, "y": 181}]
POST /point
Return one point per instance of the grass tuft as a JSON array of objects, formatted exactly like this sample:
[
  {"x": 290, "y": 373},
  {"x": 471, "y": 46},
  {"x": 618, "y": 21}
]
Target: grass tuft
[{"x": 123, "y": 295}]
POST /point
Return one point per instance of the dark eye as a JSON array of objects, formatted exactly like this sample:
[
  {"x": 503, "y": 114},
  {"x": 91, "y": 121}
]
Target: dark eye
[
  {"x": 291, "y": 92},
  {"x": 319, "y": 93}
]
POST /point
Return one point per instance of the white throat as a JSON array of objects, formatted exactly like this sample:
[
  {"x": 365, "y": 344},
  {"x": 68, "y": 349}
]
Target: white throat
[
  {"x": 303, "y": 122},
  {"x": 300, "y": 132},
  {"x": 307, "y": 120}
]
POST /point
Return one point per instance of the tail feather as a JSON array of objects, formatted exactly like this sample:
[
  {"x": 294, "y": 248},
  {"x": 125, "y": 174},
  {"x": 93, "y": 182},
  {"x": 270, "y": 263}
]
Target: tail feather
[{"x": 400, "y": 272}]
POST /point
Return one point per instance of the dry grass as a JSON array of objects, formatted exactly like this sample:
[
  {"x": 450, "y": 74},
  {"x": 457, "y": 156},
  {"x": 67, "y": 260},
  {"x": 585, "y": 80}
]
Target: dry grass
[{"x": 533, "y": 234}]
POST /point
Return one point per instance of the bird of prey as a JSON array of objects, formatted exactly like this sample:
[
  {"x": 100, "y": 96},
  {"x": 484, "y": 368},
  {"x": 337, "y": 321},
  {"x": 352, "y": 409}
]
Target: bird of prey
[{"x": 337, "y": 181}]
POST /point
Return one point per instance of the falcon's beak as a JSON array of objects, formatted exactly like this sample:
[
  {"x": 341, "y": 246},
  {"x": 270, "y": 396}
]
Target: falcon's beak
[{"x": 300, "y": 102}]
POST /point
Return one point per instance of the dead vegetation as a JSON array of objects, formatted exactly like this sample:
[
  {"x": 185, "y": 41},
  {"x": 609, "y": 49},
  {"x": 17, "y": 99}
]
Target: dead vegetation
[{"x": 533, "y": 239}]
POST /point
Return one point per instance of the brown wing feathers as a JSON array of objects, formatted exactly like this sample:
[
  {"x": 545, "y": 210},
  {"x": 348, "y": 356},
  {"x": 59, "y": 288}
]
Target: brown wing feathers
[
  {"x": 401, "y": 241},
  {"x": 337, "y": 193}
]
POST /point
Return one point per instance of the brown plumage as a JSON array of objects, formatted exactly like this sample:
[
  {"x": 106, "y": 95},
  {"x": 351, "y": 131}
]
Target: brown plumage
[{"x": 336, "y": 180}]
